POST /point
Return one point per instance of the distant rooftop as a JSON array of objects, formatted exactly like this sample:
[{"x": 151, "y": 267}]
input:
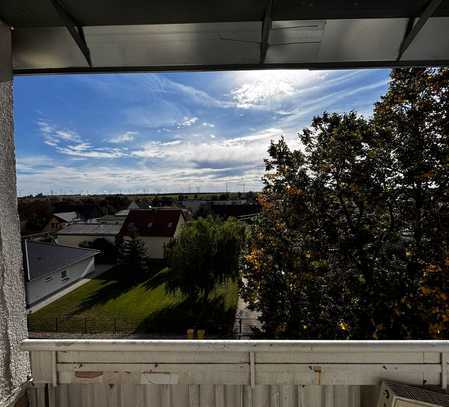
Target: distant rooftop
[
  {"x": 91, "y": 229},
  {"x": 46, "y": 258},
  {"x": 66, "y": 216},
  {"x": 152, "y": 222},
  {"x": 123, "y": 212}
]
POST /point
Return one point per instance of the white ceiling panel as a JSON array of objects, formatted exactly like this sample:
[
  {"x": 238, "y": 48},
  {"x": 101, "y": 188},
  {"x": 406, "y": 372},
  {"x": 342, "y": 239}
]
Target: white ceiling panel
[
  {"x": 432, "y": 42},
  {"x": 174, "y": 44},
  {"x": 232, "y": 45},
  {"x": 362, "y": 40}
]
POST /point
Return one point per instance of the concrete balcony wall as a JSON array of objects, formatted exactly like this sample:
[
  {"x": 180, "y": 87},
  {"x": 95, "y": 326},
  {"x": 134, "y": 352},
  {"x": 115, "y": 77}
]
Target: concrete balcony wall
[{"x": 14, "y": 363}]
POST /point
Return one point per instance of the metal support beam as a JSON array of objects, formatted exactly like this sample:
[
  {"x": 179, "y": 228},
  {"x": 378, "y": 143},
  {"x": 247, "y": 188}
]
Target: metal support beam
[
  {"x": 266, "y": 28},
  {"x": 75, "y": 29},
  {"x": 413, "y": 29}
]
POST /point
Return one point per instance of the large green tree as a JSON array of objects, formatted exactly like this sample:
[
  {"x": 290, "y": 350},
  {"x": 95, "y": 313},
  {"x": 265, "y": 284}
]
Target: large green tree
[
  {"x": 205, "y": 253},
  {"x": 353, "y": 237}
]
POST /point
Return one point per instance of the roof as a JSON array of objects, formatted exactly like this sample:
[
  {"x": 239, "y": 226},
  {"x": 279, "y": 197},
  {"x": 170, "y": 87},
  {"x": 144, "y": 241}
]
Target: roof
[
  {"x": 215, "y": 34},
  {"x": 151, "y": 222},
  {"x": 122, "y": 213},
  {"x": 46, "y": 258},
  {"x": 66, "y": 216},
  {"x": 110, "y": 219},
  {"x": 90, "y": 229}
]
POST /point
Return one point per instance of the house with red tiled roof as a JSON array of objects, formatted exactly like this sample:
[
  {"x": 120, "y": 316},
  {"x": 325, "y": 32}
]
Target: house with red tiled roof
[{"x": 155, "y": 227}]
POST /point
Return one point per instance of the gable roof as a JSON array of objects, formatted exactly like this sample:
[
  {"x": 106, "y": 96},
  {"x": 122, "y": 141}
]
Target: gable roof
[
  {"x": 66, "y": 216},
  {"x": 151, "y": 222},
  {"x": 46, "y": 258},
  {"x": 122, "y": 213},
  {"x": 91, "y": 229}
]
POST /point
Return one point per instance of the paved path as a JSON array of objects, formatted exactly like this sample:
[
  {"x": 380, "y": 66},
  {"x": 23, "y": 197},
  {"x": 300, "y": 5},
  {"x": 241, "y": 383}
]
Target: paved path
[
  {"x": 245, "y": 320},
  {"x": 99, "y": 269}
]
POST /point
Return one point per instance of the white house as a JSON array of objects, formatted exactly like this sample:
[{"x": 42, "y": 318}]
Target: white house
[
  {"x": 155, "y": 227},
  {"x": 50, "y": 268},
  {"x": 74, "y": 234}
]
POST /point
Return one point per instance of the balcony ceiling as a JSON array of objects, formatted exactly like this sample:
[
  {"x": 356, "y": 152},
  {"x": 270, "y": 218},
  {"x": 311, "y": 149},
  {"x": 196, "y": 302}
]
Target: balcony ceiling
[{"x": 98, "y": 35}]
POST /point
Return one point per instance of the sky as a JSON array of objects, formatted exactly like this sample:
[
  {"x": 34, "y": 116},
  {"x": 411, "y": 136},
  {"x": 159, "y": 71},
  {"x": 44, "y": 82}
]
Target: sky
[{"x": 170, "y": 132}]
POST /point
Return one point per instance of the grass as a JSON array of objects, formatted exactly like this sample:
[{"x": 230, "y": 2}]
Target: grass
[{"x": 110, "y": 303}]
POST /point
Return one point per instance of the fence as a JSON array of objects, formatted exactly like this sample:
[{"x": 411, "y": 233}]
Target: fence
[{"x": 67, "y": 325}]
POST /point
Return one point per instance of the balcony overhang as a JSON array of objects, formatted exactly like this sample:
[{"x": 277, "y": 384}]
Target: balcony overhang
[
  {"x": 87, "y": 36},
  {"x": 248, "y": 363}
]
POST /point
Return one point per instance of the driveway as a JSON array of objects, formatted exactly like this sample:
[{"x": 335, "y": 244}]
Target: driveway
[{"x": 245, "y": 320}]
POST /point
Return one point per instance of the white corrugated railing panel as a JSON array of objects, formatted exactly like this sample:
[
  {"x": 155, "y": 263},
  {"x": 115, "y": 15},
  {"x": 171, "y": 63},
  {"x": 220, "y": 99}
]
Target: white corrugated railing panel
[{"x": 125, "y": 395}]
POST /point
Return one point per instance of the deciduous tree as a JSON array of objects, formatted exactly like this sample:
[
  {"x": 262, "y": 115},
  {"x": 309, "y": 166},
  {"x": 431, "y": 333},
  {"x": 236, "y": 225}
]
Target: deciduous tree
[
  {"x": 204, "y": 254},
  {"x": 353, "y": 237}
]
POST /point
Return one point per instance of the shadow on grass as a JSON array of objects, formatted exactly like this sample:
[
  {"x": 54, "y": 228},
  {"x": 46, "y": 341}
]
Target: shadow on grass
[
  {"x": 173, "y": 320},
  {"x": 115, "y": 283},
  {"x": 191, "y": 313}
]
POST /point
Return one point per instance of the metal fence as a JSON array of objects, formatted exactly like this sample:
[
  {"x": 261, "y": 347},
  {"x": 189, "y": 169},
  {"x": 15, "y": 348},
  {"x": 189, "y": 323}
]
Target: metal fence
[{"x": 67, "y": 325}]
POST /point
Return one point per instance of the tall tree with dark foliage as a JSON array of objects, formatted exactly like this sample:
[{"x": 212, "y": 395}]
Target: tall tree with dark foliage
[{"x": 353, "y": 238}]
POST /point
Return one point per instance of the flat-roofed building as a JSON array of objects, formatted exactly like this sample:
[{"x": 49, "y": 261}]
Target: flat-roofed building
[{"x": 77, "y": 233}]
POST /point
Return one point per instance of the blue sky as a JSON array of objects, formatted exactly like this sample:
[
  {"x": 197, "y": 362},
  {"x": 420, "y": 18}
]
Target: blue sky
[{"x": 170, "y": 132}]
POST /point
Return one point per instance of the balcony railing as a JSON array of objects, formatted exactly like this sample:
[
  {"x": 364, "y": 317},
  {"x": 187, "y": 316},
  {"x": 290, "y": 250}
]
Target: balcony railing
[{"x": 250, "y": 363}]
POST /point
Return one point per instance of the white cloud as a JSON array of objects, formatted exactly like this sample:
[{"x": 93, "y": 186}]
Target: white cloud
[
  {"x": 262, "y": 89},
  {"x": 67, "y": 135},
  {"x": 322, "y": 102},
  {"x": 53, "y": 135},
  {"x": 215, "y": 153},
  {"x": 171, "y": 143},
  {"x": 89, "y": 178},
  {"x": 32, "y": 163},
  {"x": 188, "y": 121},
  {"x": 87, "y": 151},
  {"x": 68, "y": 142},
  {"x": 124, "y": 137},
  {"x": 45, "y": 127},
  {"x": 206, "y": 124}
]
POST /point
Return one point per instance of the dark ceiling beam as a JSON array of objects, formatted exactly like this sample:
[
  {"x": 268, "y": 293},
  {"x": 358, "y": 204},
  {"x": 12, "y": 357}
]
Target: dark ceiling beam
[
  {"x": 75, "y": 29},
  {"x": 236, "y": 67},
  {"x": 266, "y": 28},
  {"x": 413, "y": 29}
]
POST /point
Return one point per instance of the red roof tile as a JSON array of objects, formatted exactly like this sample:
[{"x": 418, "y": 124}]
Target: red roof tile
[{"x": 151, "y": 222}]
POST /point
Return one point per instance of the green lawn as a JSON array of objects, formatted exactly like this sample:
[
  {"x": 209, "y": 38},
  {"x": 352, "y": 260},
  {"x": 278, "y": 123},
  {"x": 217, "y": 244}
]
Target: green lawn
[{"x": 109, "y": 303}]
